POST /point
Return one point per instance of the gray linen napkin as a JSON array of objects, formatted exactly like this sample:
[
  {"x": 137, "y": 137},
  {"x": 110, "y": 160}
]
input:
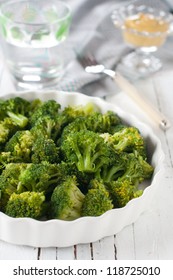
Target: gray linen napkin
[{"x": 104, "y": 42}]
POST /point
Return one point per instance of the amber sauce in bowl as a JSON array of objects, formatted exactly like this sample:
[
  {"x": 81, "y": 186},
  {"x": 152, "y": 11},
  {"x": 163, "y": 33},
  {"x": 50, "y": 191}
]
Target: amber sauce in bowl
[{"x": 145, "y": 30}]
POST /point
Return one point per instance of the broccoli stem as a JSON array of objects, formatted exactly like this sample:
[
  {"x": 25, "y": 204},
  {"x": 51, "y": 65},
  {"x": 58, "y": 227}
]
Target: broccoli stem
[
  {"x": 19, "y": 119},
  {"x": 109, "y": 175}
]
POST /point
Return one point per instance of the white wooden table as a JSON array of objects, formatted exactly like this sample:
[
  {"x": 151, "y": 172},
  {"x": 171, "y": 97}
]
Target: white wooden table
[{"x": 151, "y": 236}]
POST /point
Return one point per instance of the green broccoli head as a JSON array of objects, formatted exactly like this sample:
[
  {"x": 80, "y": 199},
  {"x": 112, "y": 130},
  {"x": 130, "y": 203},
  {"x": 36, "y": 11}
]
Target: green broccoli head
[
  {"x": 49, "y": 126},
  {"x": 25, "y": 146},
  {"x": 127, "y": 139},
  {"x": 137, "y": 169},
  {"x": 101, "y": 123},
  {"x": 18, "y": 105},
  {"x": 9, "y": 182},
  {"x": 86, "y": 149},
  {"x": 113, "y": 168},
  {"x": 44, "y": 150},
  {"x": 9, "y": 179},
  {"x": 7, "y": 128},
  {"x": 26, "y": 204},
  {"x": 75, "y": 126},
  {"x": 20, "y": 145},
  {"x": 121, "y": 192},
  {"x": 48, "y": 108},
  {"x": 66, "y": 200},
  {"x": 70, "y": 169},
  {"x": 75, "y": 111},
  {"x": 34, "y": 105},
  {"x": 5, "y": 158},
  {"x": 17, "y": 109},
  {"x": 3, "y": 109},
  {"x": 97, "y": 200},
  {"x": 40, "y": 177}
]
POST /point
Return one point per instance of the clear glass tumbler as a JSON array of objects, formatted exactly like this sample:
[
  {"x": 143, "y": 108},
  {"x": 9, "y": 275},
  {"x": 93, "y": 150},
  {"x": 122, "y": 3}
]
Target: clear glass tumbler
[{"x": 31, "y": 35}]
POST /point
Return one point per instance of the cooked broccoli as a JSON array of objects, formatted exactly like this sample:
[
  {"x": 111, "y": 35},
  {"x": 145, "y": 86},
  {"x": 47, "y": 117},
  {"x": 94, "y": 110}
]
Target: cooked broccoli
[
  {"x": 24, "y": 146},
  {"x": 26, "y": 204},
  {"x": 34, "y": 105},
  {"x": 86, "y": 149},
  {"x": 113, "y": 168},
  {"x": 50, "y": 126},
  {"x": 5, "y": 158},
  {"x": 101, "y": 123},
  {"x": 75, "y": 126},
  {"x": 71, "y": 162},
  {"x": 7, "y": 128},
  {"x": 96, "y": 122},
  {"x": 137, "y": 169},
  {"x": 20, "y": 145},
  {"x": 9, "y": 181},
  {"x": 83, "y": 178},
  {"x": 97, "y": 200},
  {"x": 121, "y": 192},
  {"x": 18, "y": 105},
  {"x": 44, "y": 149},
  {"x": 127, "y": 139},
  {"x": 40, "y": 177},
  {"x": 20, "y": 177},
  {"x": 75, "y": 111},
  {"x": 48, "y": 108},
  {"x": 17, "y": 109},
  {"x": 67, "y": 200}
]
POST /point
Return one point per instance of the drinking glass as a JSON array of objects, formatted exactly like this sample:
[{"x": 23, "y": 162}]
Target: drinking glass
[
  {"x": 145, "y": 29},
  {"x": 31, "y": 34}
]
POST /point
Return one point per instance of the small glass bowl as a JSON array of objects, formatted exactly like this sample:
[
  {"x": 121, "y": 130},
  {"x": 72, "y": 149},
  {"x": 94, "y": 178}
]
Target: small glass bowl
[{"x": 145, "y": 29}]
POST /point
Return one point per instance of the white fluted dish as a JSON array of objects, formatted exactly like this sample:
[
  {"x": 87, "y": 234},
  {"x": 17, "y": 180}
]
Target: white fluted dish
[{"x": 51, "y": 233}]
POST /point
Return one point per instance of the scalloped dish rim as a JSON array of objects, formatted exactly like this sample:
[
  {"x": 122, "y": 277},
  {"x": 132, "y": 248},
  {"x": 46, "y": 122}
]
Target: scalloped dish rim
[{"x": 55, "y": 233}]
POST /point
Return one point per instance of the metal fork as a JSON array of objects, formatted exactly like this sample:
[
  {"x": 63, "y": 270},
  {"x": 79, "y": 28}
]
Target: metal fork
[{"x": 91, "y": 65}]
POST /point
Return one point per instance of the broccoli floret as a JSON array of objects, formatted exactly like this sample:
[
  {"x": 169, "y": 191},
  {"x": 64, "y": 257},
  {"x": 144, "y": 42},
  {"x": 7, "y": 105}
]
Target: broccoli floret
[
  {"x": 95, "y": 122},
  {"x": 48, "y": 108},
  {"x": 127, "y": 139},
  {"x": 67, "y": 200},
  {"x": 97, "y": 200},
  {"x": 20, "y": 145},
  {"x": 49, "y": 126},
  {"x": 114, "y": 168},
  {"x": 75, "y": 126},
  {"x": 101, "y": 123},
  {"x": 83, "y": 178},
  {"x": 86, "y": 149},
  {"x": 40, "y": 177},
  {"x": 75, "y": 111},
  {"x": 6, "y": 158},
  {"x": 9, "y": 182},
  {"x": 7, "y": 128},
  {"x": 44, "y": 150},
  {"x": 21, "y": 177},
  {"x": 18, "y": 105},
  {"x": 18, "y": 119},
  {"x": 24, "y": 146},
  {"x": 26, "y": 204},
  {"x": 17, "y": 109},
  {"x": 34, "y": 105},
  {"x": 137, "y": 169},
  {"x": 121, "y": 192}
]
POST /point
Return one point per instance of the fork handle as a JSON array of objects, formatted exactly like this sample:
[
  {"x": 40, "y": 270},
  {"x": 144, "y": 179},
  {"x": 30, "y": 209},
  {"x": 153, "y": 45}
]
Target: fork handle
[{"x": 132, "y": 91}]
